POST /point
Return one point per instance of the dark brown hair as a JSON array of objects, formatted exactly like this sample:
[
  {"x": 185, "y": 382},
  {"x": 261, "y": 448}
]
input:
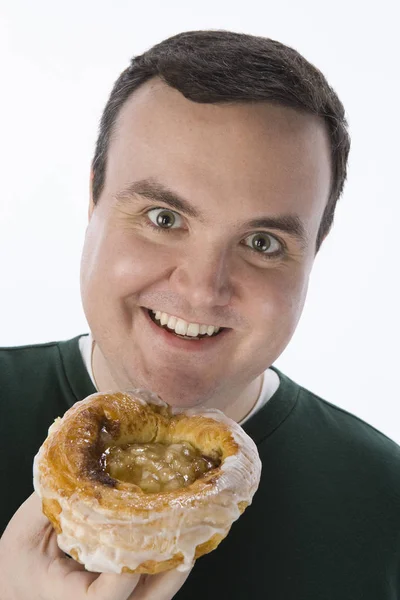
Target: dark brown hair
[{"x": 222, "y": 66}]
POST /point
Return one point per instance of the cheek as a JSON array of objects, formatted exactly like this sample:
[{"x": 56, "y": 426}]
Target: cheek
[
  {"x": 279, "y": 301},
  {"x": 135, "y": 265},
  {"x": 119, "y": 263},
  {"x": 274, "y": 300}
]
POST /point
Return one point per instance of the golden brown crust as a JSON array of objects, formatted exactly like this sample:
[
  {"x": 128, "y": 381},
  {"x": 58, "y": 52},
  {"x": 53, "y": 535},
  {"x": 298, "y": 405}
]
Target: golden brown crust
[
  {"x": 73, "y": 456},
  {"x": 151, "y": 567},
  {"x": 70, "y": 474},
  {"x": 52, "y": 510}
]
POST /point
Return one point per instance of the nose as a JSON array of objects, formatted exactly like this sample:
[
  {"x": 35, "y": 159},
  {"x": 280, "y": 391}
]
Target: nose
[{"x": 203, "y": 279}]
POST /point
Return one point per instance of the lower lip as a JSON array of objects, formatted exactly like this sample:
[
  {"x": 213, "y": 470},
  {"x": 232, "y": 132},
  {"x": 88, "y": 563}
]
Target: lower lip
[{"x": 201, "y": 345}]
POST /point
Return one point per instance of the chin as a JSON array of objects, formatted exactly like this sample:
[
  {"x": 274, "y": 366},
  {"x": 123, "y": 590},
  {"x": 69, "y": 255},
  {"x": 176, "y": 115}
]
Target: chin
[
  {"x": 187, "y": 395},
  {"x": 174, "y": 388},
  {"x": 185, "y": 398}
]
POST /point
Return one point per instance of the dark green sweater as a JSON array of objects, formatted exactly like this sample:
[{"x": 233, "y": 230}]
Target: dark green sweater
[{"x": 324, "y": 523}]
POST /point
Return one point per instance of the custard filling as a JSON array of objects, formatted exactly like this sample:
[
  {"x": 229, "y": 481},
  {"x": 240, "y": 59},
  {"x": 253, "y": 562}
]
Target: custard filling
[{"x": 157, "y": 467}]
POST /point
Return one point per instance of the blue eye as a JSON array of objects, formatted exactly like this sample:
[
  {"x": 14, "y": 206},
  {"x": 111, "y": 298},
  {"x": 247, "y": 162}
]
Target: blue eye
[
  {"x": 263, "y": 243},
  {"x": 164, "y": 218}
]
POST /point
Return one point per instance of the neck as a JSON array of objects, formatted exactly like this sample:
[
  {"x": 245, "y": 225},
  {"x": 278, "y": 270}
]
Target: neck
[
  {"x": 244, "y": 402},
  {"x": 237, "y": 410}
]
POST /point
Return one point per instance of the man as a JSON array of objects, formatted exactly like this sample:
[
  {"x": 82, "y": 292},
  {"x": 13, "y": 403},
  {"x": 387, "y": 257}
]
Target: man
[{"x": 218, "y": 166}]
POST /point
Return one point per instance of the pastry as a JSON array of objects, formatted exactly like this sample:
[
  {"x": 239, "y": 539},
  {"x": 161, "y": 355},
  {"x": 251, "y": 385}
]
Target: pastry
[{"x": 131, "y": 484}]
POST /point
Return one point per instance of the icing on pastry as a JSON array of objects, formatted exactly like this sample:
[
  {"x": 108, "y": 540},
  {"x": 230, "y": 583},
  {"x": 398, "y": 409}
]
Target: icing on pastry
[{"x": 113, "y": 525}]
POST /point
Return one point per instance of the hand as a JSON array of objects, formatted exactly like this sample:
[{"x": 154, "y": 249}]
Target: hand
[{"x": 32, "y": 566}]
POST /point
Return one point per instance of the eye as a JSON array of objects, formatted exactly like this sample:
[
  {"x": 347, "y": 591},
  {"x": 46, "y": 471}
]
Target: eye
[
  {"x": 263, "y": 243},
  {"x": 164, "y": 219}
]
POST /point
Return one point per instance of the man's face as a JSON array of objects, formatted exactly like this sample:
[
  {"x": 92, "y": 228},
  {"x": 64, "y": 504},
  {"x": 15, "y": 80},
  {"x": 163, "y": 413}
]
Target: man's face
[{"x": 210, "y": 214}]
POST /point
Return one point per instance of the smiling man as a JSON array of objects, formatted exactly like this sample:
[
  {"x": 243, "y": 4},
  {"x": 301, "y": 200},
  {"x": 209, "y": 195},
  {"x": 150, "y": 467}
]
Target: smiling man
[
  {"x": 218, "y": 166},
  {"x": 208, "y": 218}
]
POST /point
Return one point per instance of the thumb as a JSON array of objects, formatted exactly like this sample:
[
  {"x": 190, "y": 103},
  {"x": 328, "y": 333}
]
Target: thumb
[
  {"x": 112, "y": 587},
  {"x": 30, "y": 529},
  {"x": 163, "y": 586},
  {"x": 29, "y": 525}
]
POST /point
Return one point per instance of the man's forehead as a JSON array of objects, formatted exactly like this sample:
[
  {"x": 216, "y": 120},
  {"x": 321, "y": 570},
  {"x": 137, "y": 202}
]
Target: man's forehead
[
  {"x": 155, "y": 99},
  {"x": 158, "y": 118},
  {"x": 256, "y": 152}
]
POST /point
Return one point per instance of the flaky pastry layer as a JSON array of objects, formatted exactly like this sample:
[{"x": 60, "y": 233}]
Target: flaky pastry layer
[{"x": 113, "y": 526}]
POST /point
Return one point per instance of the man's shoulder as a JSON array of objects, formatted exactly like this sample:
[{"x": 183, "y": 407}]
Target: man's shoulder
[
  {"x": 26, "y": 350},
  {"x": 342, "y": 416},
  {"x": 15, "y": 360},
  {"x": 32, "y": 358},
  {"x": 33, "y": 368},
  {"x": 352, "y": 438},
  {"x": 30, "y": 351}
]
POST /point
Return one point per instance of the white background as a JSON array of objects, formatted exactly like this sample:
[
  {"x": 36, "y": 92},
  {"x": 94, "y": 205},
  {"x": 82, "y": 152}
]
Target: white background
[{"x": 58, "y": 61}]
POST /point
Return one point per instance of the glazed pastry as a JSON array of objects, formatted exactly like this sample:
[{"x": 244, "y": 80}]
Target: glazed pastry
[{"x": 133, "y": 485}]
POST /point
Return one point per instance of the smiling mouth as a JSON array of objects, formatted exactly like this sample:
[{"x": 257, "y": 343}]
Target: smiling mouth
[{"x": 183, "y": 337}]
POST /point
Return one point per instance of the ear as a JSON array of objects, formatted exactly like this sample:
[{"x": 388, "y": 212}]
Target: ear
[{"x": 91, "y": 203}]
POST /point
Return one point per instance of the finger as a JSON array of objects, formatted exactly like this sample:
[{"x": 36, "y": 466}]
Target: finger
[
  {"x": 112, "y": 587},
  {"x": 65, "y": 574},
  {"x": 163, "y": 586},
  {"x": 72, "y": 583},
  {"x": 68, "y": 579},
  {"x": 29, "y": 523}
]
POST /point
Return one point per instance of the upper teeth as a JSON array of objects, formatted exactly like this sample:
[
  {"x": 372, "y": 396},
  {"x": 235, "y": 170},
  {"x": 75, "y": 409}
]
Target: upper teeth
[{"x": 182, "y": 327}]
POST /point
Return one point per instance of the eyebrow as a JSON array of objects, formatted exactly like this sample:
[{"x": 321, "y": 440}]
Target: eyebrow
[
  {"x": 156, "y": 192},
  {"x": 290, "y": 224}
]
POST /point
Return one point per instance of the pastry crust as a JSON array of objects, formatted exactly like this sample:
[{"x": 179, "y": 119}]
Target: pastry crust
[{"x": 114, "y": 526}]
